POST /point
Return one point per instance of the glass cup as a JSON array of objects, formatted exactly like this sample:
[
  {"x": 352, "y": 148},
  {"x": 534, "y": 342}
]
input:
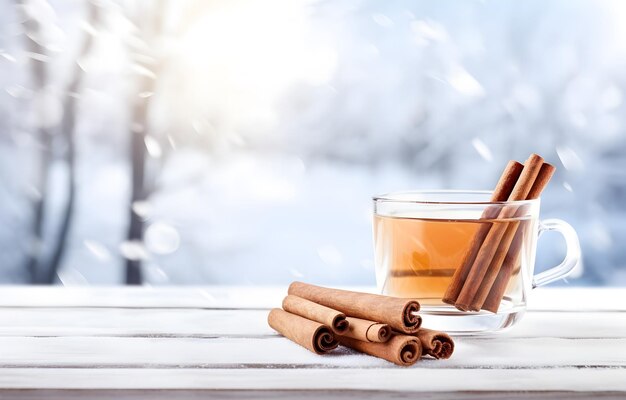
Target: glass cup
[{"x": 427, "y": 243}]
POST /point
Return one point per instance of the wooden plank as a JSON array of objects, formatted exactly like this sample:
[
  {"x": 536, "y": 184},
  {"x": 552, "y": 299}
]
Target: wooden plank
[
  {"x": 569, "y": 325},
  {"x": 252, "y": 323},
  {"x": 276, "y": 352},
  {"x": 132, "y": 322},
  {"x": 252, "y": 394},
  {"x": 396, "y": 380},
  {"x": 577, "y": 299},
  {"x": 573, "y": 299},
  {"x": 142, "y": 297}
]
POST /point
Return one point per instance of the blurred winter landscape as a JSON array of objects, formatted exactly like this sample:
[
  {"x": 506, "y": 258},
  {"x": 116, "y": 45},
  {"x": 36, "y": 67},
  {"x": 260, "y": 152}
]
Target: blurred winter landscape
[{"x": 240, "y": 142}]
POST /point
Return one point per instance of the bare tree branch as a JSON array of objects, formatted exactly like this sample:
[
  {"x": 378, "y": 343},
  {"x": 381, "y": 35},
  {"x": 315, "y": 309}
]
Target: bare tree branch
[
  {"x": 39, "y": 75},
  {"x": 68, "y": 132},
  {"x": 151, "y": 29}
]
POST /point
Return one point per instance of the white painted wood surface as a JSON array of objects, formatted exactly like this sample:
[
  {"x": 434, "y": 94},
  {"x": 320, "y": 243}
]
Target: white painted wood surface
[{"x": 216, "y": 338}]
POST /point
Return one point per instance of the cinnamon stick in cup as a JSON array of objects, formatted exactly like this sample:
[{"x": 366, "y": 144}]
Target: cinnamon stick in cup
[
  {"x": 496, "y": 292},
  {"x": 316, "y": 312},
  {"x": 398, "y": 313},
  {"x": 545, "y": 173},
  {"x": 367, "y": 331},
  {"x": 502, "y": 192},
  {"x": 491, "y": 243},
  {"x": 402, "y": 350},
  {"x": 437, "y": 344},
  {"x": 309, "y": 334},
  {"x": 494, "y": 266}
]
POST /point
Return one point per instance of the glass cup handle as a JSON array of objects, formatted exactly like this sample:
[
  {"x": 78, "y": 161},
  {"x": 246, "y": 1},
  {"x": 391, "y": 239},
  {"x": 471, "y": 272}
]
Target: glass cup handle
[{"x": 572, "y": 255}]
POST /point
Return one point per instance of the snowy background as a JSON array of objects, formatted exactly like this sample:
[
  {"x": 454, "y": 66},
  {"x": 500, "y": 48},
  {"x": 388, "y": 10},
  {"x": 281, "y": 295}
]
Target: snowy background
[{"x": 239, "y": 142}]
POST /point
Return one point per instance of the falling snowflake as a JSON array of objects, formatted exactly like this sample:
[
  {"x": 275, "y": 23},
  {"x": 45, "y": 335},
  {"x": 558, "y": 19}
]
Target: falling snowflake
[
  {"x": 153, "y": 146},
  {"x": 8, "y": 56},
  {"x": 33, "y": 192},
  {"x": 18, "y": 91},
  {"x": 143, "y": 71},
  {"x": 295, "y": 273},
  {"x": 37, "y": 56},
  {"x": 155, "y": 274},
  {"x": 72, "y": 277},
  {"x": 464, "y": 83},
  {"x": 161, "y": 238},
  {"x": 482, "y": 149},
  {"x": 134, "y": 250},
  {"x": 142, "y": 208},
  {"x": 568, "y": 187},
  {"x": 570, "y": 160},
  {"x": 330, "y": 255},
  {"x": 97, "y": 249},
  {"x": 382, "y": 20},
  {"x": 87, "y": 27},
  {"x": 171, "y": 141},
  {"x": 428, "y": 31}
]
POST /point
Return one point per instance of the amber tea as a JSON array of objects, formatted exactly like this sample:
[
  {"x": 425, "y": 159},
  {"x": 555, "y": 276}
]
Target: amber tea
[{"x": 420, "y": 255}]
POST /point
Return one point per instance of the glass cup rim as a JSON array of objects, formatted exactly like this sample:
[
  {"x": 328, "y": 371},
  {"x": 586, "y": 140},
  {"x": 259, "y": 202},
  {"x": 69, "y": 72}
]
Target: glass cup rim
[{"x": 392, "y": 197}]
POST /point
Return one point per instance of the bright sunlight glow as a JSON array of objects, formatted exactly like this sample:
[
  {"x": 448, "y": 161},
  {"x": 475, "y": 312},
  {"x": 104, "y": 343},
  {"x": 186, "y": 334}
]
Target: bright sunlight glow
[{"x": 253, "y": 52}]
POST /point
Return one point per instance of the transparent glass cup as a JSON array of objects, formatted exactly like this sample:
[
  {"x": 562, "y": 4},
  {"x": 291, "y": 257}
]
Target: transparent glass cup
[{"x": 425, "y": 241}]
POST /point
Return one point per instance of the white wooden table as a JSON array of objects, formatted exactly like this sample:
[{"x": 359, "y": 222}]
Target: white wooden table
[{"x": 196, "y": 342}]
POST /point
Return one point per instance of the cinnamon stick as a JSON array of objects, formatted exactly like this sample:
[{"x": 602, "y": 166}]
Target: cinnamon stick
[
  {"x": 437, "y": 344},
  {"x": 316, "y": 312},
  {"x": 489, "y": 248},
  {"x": 504, "y": 247},
  {"x": 402, "y": 350},
  {"x": 496, "y": 292},
  {"x": 502, "y": 192},
  {"x": 494, "y": 266},
  {"x": 545, "y": 173},
  {"x": 398, "y": 313},
  {"x": 367, "y": 331},
  {"x": 309, "y": 334}
]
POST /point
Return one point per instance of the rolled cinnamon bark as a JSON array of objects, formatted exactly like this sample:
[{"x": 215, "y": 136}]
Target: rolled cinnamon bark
[
  {"x": 398, "y": 313},
  {"x": 316, "y": 312},
  {"x": 496, "y": 291},
  {"x": 502, "y": 192},
  {"x": 367, "y": 331},
  {"x": 496, "y": 234},
  {"x": 402, "y": 350},
  {"x": 312, "y": 335},
  {"x": 437, "y": 344},
  {"x": 508, "y": 244},
  {"x": 494, "y": 266}
]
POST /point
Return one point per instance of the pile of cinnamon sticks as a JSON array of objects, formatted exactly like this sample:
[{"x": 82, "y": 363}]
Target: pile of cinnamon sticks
[
  {"x": 481, "y": 280},
  {"x": 320, "y": 319}
]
